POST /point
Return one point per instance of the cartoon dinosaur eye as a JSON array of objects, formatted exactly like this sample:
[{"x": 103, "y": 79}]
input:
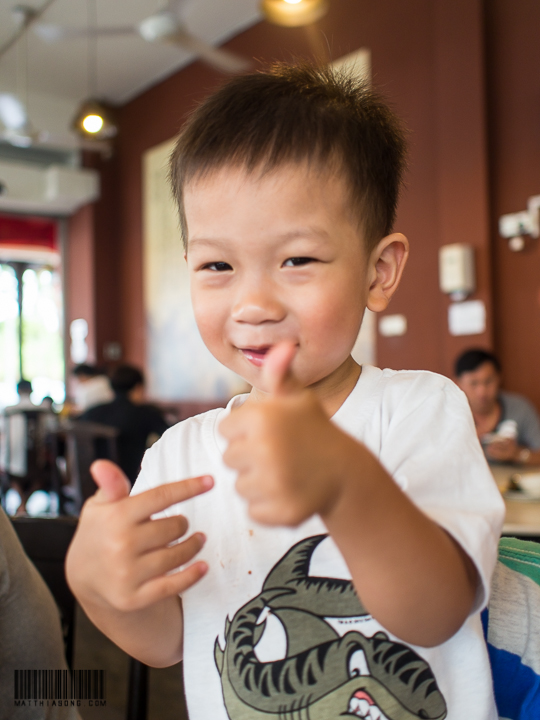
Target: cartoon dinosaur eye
[
  {"x": 271, "y": 638},
  {"x": 358, "y": 664}
]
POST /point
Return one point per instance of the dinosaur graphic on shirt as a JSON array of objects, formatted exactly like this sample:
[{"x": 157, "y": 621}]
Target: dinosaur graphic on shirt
[{"x": 322, "y": 676}]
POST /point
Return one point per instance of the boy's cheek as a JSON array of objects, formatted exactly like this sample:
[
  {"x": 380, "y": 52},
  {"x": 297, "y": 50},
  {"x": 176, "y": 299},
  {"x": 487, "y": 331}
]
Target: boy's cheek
[{"x": 210, "y": 321}]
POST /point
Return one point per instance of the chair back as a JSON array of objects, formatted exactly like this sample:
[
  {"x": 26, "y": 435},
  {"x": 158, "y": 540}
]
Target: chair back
[
  {"x": 45, "y": 541},
  {"x": 86, "y": 441},
  {"x": 26, "y": 452}
]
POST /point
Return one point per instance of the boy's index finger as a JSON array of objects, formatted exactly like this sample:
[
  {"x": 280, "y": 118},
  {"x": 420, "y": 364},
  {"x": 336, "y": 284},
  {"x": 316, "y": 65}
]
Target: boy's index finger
[
  {"x": 277, "y": 369},
  {"x": 157, "y": 499}
]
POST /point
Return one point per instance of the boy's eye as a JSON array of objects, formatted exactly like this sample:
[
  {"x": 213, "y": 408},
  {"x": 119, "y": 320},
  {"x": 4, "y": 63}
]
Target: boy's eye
[
  {"x": 217, "y": 266},
  {"x": 296, "y": 261}
]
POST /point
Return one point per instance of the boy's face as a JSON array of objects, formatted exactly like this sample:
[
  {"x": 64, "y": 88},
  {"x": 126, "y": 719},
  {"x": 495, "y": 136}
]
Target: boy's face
[{"x": 277, "y": 257}]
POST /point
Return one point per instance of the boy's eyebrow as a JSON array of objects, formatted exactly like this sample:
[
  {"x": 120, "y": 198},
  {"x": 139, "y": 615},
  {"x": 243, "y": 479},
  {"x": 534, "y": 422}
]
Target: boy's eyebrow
[{"x": 303, "y": 232}]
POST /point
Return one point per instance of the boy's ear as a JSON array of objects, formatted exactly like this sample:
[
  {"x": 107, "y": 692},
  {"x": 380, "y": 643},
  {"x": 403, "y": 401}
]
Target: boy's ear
[{"x": 386, "y": 265}]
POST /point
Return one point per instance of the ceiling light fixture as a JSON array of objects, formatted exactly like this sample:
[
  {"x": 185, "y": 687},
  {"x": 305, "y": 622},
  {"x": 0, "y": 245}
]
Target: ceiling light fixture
[
  {"x": 94, "y": 119},
  {"x": 293, "y": 13}
]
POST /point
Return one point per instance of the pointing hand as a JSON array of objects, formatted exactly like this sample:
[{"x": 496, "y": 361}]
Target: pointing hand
[{"x": 120, "y": 556}]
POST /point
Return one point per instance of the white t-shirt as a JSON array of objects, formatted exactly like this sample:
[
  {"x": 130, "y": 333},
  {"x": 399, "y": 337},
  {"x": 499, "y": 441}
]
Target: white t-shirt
[{"x": 275, "y": 629}]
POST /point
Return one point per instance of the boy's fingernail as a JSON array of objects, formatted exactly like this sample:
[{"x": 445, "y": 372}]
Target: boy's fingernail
[
  {"x": 207, "y": 481},
  {"x": 201, "y": 537}
]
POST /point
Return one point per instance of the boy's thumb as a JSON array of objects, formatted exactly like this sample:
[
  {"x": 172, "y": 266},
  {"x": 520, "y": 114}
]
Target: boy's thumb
[
  {"x": 111, "y": 481},
  {"x": 277, "y": 370}
]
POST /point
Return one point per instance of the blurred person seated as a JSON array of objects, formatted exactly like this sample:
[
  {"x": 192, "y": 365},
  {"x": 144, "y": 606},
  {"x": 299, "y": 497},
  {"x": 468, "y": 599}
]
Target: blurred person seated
[
  {"x": 139, "y": 424},
  {"x": 48, "y": 403},
  {"x": 24, "y": 455},
  {"x": 93, "y": 387},
  {"x": 31, "y": 631},
  {"x": 507, "y": 424}
]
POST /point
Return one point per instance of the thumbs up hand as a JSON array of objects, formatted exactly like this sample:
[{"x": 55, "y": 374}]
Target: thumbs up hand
[{"x": 284, "y": 447}]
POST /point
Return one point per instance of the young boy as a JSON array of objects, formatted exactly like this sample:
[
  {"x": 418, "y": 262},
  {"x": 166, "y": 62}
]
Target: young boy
[{"x": 342, "y": 514}]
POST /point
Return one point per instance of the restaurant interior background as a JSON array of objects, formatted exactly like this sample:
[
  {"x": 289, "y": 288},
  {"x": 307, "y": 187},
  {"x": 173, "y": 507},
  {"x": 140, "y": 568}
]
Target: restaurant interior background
[{"x": 464, "y": 75}]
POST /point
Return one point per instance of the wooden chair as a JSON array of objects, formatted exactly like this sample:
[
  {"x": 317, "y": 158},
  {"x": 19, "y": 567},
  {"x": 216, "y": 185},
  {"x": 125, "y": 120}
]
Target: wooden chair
[
  {"x": 33, "y": 451},
  {"x": 45, "y": 541},
  {"x": 84, "y": 442}
]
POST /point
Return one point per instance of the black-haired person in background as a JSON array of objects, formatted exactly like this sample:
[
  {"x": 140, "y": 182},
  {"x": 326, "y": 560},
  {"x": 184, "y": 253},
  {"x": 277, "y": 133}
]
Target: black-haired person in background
[
  {"x": 93, "y": 387},
  {"x": 139, "y": 424},
  {"x": 507, "y": 424}
]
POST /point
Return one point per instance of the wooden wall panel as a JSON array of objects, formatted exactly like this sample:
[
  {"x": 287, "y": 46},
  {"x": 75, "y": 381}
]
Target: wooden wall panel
[{"x": 513, "y": 57}]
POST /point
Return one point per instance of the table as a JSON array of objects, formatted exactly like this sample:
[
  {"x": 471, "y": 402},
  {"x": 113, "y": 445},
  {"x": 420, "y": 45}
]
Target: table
[{"x": 522, "y": 515}]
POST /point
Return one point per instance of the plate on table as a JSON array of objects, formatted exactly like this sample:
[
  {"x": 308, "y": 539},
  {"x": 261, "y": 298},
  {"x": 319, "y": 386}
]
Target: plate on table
[{"x": 524, "y": 486}]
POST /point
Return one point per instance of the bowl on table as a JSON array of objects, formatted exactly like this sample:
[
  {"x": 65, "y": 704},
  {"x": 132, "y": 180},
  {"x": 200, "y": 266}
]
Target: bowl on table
[{"x": 529, "y": 483}]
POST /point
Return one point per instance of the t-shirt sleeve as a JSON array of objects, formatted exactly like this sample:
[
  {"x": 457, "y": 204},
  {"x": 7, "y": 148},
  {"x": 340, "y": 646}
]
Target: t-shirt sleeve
[
  {"x": 149, "y": 475},
  {"x": 171, "y": 458},
  {"x": 431, "y": 449}
]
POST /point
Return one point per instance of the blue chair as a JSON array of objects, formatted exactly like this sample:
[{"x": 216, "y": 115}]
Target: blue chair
[{"x": 512, "y": 630}]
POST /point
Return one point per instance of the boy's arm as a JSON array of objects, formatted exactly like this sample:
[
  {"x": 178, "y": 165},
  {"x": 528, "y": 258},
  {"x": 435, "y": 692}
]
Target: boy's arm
[
  {"x": 412, "y": 576},
  {"x": 152, "y": 635},
  {"x": 120, "y": 561},
  {"x": 294, "y": 462}
]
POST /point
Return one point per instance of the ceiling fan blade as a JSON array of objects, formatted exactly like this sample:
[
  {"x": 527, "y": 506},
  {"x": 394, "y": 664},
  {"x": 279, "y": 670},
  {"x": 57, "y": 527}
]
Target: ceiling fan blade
[
  {"x": 17, "y": 138},
  {"x": 12, "y": 112},
  {"x": 70, "y": 141},
  {"x": 222, "y": 60},
  {"x": 57, "y": 33}
]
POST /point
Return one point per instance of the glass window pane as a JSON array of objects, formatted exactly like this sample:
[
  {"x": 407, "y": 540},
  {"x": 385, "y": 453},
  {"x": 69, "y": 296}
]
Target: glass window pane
[
  {"x": 42, "y": 355},
  {"x": 9, "y": 336}
]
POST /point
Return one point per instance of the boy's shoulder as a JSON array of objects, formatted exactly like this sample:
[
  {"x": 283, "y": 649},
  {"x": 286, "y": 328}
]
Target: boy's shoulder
[
  {"x": 406, "y": 402},
  {"x": 189, "y": 445},
  {"x": 196, "y": 428},
  {"x": 414, "y": 386}
]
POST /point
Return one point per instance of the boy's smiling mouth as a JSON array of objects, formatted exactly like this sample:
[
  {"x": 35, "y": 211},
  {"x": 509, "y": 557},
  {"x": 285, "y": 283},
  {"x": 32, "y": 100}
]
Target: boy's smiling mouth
[{"x": 255, "y": 355}]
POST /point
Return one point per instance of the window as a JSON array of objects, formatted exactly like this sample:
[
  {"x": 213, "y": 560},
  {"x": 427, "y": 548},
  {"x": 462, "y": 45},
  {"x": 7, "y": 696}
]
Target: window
[
  {"x": 31, "y": 312},
  {"x": 9, "y": 335}
]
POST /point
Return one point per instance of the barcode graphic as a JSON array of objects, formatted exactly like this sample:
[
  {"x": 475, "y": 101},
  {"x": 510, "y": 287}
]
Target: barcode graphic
[{"x": 59, "y": 685}]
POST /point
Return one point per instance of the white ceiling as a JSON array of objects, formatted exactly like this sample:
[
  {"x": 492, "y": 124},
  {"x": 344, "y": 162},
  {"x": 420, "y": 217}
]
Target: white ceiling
[{"x": 127, "y": 65}]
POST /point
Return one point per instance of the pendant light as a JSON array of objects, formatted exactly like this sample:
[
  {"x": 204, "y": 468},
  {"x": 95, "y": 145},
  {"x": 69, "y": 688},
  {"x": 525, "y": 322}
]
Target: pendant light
[
  {"x": 94, "y": 118},
  {"x": 293, "y": 13}
]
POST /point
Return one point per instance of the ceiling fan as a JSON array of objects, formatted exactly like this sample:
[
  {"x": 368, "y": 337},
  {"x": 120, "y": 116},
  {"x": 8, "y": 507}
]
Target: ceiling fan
[
  {"x": 164, "y": 26},
  {"x": 16, "y": 129}
]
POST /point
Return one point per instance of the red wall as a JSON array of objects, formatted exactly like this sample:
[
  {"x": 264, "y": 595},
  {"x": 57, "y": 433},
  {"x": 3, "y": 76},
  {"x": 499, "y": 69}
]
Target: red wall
[
  {"x": 80, "y": 275},
  {"x": 428, "y": 58},
  {"x": 513, "y": 53}
]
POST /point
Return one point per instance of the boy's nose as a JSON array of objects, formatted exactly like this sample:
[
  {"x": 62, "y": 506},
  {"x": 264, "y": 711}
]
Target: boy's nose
[{"x": 257, "y": 305}]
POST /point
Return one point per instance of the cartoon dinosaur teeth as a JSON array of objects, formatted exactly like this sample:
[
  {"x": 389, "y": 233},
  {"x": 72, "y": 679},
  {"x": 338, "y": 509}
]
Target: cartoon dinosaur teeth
[{"x": 362, "y": 705}]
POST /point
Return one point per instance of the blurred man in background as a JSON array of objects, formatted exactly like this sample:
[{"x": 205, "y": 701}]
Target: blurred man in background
[{"x": 507, "y": 424}]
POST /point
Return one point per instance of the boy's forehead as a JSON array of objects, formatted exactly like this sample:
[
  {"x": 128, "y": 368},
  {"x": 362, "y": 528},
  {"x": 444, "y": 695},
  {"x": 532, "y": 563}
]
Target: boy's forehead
[
  {"x": 308, "y": 171},
  {"x": 280, "y": 204}
]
